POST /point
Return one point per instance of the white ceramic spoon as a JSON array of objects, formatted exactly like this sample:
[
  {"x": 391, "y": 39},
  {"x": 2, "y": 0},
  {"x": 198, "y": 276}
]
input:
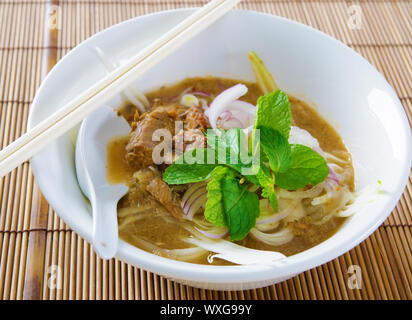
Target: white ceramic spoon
[{"x": 95, "y": 131}]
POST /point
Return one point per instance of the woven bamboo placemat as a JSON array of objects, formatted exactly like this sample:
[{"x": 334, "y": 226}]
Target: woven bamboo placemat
[{"x": 33, "y": 238}]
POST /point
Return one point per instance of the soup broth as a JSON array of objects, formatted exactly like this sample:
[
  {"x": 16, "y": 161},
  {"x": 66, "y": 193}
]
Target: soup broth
[{"x": 152, "y": 231}]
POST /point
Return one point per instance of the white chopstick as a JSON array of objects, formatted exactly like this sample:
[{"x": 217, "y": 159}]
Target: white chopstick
[{"x": 76, "y": 110}]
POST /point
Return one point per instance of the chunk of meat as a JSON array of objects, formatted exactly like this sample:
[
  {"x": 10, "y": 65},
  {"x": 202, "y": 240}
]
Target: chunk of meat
[
  {"x": 129, "y": 112},
  {"x": 141, "y": 144},
  {"x": 187, "y": 140},
  {"x": 137, "y": 190},
  {"x": 162, "y": 193},
  {"x": 196, "y": 119}
]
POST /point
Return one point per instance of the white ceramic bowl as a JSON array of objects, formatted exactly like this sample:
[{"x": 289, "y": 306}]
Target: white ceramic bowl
[{"x": 306, "y": 63}]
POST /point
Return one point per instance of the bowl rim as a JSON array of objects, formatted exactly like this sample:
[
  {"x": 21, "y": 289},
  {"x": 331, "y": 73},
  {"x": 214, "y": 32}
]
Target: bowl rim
[{"x": 233, "y": 274}]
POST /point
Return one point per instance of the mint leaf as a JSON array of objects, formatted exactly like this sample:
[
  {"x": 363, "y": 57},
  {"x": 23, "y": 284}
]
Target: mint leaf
[
  {"x": 307, "y": 167},
  {"x": 231, "y": 149},
  {"x": 182, "y": 171},
  {"x": 214, "y": 210},
  {"x": 230, "y": 204},
  {"x": 276, "y": 148},
  {"x": 273, "y": 111},
  {"x": 267, "y": 183},
  {"x": 241, "y": 208}
]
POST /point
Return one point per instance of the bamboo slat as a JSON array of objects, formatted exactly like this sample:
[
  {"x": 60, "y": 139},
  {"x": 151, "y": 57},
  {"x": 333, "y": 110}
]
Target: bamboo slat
[{"x": 34, "y": 240}]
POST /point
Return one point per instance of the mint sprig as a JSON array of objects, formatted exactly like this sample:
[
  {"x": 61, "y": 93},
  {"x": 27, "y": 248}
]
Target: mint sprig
[
  {"x": 230, "y": 204},
  {"x": 289, "y": 166},
  {"x": 294, "y": 166},
  {"x": 306, "y": 167}
]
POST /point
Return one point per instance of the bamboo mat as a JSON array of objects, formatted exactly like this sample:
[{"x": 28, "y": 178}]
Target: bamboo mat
[{"x": 33, "y": 238}]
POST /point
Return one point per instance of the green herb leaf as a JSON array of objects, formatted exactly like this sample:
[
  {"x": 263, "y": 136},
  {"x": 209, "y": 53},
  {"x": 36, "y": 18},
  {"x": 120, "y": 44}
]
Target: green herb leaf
[
  {"x": 214, "y": 210},
  {"x": 276, "y": 148},
  {"x": 183, "y": 171},
  {"x": 230, "y": 204},
  {"x": 231, "y": 149},
  {"x": 267, "y": 183},
  {"x": 241, "y": 208},
  {"x": 273, "y": 111},
  {"x": 307, "y": 167}
]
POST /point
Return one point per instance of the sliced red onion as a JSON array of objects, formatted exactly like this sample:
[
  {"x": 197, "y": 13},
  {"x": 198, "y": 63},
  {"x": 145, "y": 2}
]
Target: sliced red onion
[
  {"x": 186, "y": 91},
  {"x": 212, "y": 235},
  {"x": 173, "y": 98},
  {"x": 193, "y": 206},
  {"x": 245, "y": 118},
  {"x": 200, "y": 93},
  {"x": 219, "y": 84},
  {"x": 190, "y": 204},
  {"x": 332, "y": 176},
  {"x": 223, "y": 100},
  {"x": 225, "y": 115},
  {"x": 191, "y": 192},
  {"x": 243, "y": 106},
  {"x": 232, "y": 122},
  {"x": 243, "y": 111},
  {"x": 194, "y": 198}
]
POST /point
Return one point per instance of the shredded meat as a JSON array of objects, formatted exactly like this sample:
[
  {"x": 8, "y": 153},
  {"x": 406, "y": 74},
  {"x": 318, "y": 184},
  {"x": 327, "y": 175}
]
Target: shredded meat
[
  {"x": 162, "y": 193},
  {"x": 148, "y": 187},
  {"x": 196, "y": 119},
  {"x": 138, "y": 194},
  {"x": 187, "y": 140}
]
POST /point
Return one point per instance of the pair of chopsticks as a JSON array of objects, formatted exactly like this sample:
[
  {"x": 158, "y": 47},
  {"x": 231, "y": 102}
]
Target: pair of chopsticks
[{"x": 76, "y": 110}]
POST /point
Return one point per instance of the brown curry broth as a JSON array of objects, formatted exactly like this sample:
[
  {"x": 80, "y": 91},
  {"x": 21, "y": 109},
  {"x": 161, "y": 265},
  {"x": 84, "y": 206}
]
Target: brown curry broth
[{"x": 165, "y": 235}]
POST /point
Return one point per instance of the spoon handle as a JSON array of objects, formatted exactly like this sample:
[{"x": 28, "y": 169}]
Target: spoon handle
[{"x": 105, "y": 231}]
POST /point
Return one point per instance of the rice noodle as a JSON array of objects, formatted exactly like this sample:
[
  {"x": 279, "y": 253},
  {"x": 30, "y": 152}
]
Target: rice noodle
[
  {"x": 274, "y": 239},
  {"x": 208, "y": 229},
  {"x": 132, "y": 218},
  {"x": 281, "y": 214},
  {"x": 330, "y": 157},
  {"x": 340, "y": 198},
  {"x": 213, "y": 235},
  {"x": 235, "y": 253},
  {"x": 301, "y": 194},
  {"x": 300, "y": 136},
  {"x": 224, "y": 249},
  {"x": 123, "y": 212},
  {"x": 186, "y": 254},
  {"x": 361, "y": 199},
  {"x": 321, "y": 200},
  {"x": 132, "y": 94}
]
